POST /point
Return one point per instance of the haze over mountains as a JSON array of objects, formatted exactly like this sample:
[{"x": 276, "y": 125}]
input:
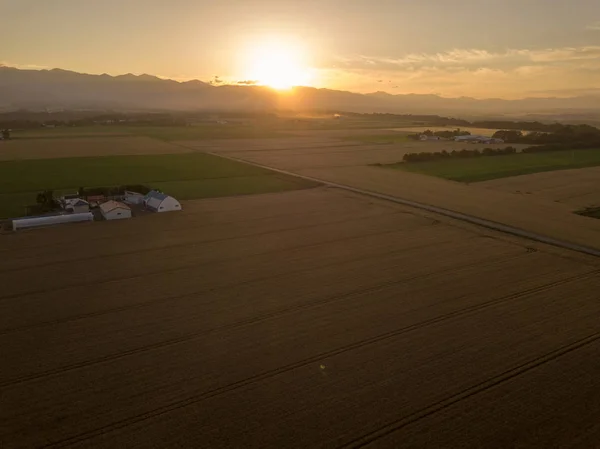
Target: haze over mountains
[{"x": 55, "y": 89}]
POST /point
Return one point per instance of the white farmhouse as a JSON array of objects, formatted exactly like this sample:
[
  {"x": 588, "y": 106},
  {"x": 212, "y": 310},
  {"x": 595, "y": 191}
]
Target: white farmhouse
[
  {"x": 159, "y": 202},
  {"x": 113, "y": 210}
]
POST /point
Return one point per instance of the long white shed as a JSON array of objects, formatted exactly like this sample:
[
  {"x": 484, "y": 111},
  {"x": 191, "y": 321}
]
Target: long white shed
[{"x": 48, "y": 220}]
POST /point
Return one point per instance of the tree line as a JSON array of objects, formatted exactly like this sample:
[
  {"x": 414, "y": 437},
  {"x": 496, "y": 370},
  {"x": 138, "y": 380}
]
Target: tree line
[
  {"x": 445, "y": 134},
  {"x": 460, "y": 154}
]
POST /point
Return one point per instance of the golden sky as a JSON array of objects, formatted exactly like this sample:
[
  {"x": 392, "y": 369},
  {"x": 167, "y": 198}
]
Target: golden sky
[{"x": 476, "y": 48}]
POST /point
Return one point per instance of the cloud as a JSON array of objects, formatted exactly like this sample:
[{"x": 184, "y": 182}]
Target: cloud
[
  {"x": 594, "y": 26},
  {"x": 24, "y": 66},
  {"x": 247, "y": 82},
  {"x": 512, "y": 73},
  {"x": 471, "y": 58}
]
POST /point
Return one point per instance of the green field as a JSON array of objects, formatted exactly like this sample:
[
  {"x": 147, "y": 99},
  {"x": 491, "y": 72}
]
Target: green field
[
  {"x": 185, "y": 176},
  {"x": 379, "y": 138},
  {"x": 492, "y": 167},
  {"x": 166, "y": 133}
]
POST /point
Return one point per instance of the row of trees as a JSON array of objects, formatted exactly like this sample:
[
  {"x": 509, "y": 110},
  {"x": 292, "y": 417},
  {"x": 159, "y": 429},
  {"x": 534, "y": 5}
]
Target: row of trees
[
  {"x": 445, "y": 134},
  {"x": 454, "y": 154},
  {"x": 561, "y": 134}
]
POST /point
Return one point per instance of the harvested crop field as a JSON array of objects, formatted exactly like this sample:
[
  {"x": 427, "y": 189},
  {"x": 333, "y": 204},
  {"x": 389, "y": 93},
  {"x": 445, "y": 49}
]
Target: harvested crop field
[
  {"x": 49, "y": 148},
  {"x": 314, "y": 318},
  {"x": 577, "y": 188},
  {"x": 302, "y": 153},
  {"x": 348, "y": 166}
]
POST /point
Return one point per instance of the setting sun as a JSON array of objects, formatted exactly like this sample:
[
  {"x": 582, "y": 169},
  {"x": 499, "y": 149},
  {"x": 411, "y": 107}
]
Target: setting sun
[{"x": 278, "y": 65}]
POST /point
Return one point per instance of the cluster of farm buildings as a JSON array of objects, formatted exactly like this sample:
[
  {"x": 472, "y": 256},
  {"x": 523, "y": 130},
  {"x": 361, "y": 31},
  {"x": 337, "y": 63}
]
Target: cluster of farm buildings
[{"x": 77, "y": 208}]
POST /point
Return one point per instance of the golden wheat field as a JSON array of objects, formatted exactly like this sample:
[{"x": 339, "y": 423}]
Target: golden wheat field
[
  {"x": 278, "y": 310},
  {"x": 576, "y": 188},
  {"x": 349, "y": 165}
]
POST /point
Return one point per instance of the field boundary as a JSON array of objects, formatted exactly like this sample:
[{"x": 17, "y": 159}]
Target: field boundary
[{"x": 482, "y": 222}]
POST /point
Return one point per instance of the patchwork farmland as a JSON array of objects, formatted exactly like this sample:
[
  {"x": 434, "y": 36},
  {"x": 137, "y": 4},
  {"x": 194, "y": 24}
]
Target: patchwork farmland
[
  {"x": 240, "y": 309},
  {"x": 301, "y": 315}
]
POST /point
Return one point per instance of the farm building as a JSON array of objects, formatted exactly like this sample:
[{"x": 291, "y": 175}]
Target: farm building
[
  {"x": 133, "y": 198},
  {"x": 159, "y": 202},
  {"x": 96, "y": 199},
  {"x": 48, "y": 220},
  {"x": 76, "y": 205},
  {"x": 113, "y": 210}
]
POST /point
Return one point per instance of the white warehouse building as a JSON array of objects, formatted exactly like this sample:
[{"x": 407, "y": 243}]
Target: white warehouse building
[
  {"x": 113, "y": 210},
  {"x": 48, "y": 220},
  {"x": 159, "y": 202}
]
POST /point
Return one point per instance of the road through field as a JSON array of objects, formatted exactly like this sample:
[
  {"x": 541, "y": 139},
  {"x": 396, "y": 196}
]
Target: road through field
[
  {"x": 535, "y": 220},
  {"x": 314, "y": 318}
]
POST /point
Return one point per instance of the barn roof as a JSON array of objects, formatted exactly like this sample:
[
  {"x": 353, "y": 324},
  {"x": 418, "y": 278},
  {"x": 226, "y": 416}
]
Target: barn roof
[
  {"x": 156, "y": 195},
  {"x": 112, "y": 205}
]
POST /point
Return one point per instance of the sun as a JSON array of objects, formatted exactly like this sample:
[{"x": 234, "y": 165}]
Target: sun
[{"x": 279, "y": 65}]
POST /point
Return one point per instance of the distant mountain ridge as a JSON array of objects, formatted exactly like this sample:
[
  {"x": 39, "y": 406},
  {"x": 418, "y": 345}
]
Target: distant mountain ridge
[{"x": 57, "y": 88}]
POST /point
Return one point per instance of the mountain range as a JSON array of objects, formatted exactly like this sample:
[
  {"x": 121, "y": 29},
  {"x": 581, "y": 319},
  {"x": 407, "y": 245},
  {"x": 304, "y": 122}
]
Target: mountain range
[{"x": 62, "y": 89}]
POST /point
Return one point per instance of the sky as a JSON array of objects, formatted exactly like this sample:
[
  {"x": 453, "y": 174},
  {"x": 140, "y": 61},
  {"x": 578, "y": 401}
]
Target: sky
[{"x": 474, "y": 48}]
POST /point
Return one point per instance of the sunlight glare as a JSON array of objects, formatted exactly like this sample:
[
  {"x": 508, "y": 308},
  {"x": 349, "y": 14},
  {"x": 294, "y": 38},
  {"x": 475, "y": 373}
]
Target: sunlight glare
[{"x": 279, "y": 65}]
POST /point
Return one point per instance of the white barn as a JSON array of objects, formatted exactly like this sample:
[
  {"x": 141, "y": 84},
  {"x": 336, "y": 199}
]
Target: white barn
[
  {"x": 133, "y": 197},
  {"x": 159, "y": 202},
  {"x": 113, "y": 210}
]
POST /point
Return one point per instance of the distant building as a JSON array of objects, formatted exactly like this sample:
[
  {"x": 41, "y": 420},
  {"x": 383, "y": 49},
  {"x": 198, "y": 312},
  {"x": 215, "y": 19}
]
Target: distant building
[
  {"x": 113, "y": 210},
  {"x": 478, "y": 139},
  {"x": 425, "y": 137},
  {"x": 159, "y": 202}
]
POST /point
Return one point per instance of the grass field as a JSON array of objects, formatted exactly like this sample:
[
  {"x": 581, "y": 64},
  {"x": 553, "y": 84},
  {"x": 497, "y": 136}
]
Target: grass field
[
  {"x": 486, "y": 168},
  {"x": 186, "y": 176},
  {"x": 85, "y": 146},
  {"x": 379, "y": 138},
  {"x": 165, "y": 133}
]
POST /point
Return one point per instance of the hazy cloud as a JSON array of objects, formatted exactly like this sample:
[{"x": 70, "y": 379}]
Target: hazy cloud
[
  {"x": 24, "y": 66},
  {"x": 594, "y": 26},
  {"x": 512, "y": 73},
  {"x": 247, "y": 82}
]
